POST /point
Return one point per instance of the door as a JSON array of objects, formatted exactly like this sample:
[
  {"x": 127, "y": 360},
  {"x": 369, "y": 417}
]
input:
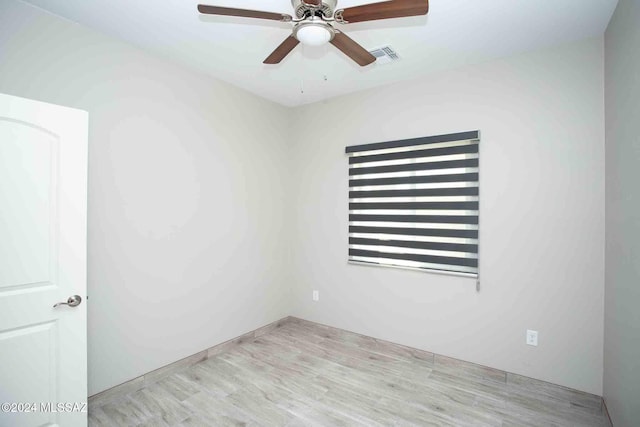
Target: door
[{"x": 43, "y": 217}]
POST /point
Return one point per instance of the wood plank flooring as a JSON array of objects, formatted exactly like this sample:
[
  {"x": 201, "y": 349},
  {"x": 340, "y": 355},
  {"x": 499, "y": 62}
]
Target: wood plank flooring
[{"x": 304, "y": 374}]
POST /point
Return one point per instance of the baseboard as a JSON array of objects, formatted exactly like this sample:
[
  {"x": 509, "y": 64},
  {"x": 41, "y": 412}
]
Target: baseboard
[
  {"x": 606, "y": 412},
  {"x": 163, "y": 372}
]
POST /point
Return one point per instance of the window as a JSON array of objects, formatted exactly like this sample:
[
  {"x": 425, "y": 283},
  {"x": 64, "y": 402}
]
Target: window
[{"x": 414, "y": 203}]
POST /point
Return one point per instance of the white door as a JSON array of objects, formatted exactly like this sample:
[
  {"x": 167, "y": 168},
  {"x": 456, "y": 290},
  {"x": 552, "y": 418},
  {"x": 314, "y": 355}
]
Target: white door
[{"x": 43, "y": 223}]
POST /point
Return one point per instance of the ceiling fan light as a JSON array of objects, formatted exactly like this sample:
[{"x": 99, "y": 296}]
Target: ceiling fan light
[{"x": 313, "y": 34}]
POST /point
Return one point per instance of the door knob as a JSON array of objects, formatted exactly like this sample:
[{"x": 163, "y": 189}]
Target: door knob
[{"x": 73, "y": 301}]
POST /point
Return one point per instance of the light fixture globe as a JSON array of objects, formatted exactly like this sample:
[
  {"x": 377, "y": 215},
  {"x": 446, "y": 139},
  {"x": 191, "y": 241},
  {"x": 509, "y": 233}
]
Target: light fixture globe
[{"x": 313, "y": 33}]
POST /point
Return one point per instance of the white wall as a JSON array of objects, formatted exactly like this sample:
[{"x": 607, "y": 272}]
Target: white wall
[
  {"x": 622, "y": 290},
  {"x": 186, "y": 193},
  {"x": 542, "y": 216}
]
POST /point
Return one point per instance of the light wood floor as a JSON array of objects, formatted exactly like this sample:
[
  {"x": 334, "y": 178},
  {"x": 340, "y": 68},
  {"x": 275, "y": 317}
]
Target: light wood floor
[{"x": 303, "y": 374}]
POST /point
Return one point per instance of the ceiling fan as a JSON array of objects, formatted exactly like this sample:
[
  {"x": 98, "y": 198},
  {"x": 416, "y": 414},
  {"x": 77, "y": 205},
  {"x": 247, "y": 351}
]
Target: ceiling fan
[{"x": 313, "y": 23}]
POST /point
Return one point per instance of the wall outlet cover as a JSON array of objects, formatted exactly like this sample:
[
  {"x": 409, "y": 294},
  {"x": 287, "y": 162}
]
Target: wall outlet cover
[
  {"x": 532, "y": 337},
  {"x": 316, "y": 295}
]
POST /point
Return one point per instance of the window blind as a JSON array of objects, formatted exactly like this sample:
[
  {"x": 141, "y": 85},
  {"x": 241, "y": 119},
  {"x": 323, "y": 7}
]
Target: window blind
[{"x": 414, "y": 203}]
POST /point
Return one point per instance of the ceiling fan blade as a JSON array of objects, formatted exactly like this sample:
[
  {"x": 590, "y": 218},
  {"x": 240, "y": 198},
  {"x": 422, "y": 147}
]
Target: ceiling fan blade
[
  {"x": 384, "y": 10},
  {"x": 244, "y": 13},
  {"x": 352, "y": 49},
  {"x": 281, "y": 51}
]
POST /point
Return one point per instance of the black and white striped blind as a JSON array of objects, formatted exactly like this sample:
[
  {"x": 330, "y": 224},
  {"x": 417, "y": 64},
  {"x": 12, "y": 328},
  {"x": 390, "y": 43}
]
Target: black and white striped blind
[{"x": 414, "y": 203}]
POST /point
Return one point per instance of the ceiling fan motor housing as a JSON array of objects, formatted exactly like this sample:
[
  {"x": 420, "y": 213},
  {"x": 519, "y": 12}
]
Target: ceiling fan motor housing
[{"x": 301, "y": 8}]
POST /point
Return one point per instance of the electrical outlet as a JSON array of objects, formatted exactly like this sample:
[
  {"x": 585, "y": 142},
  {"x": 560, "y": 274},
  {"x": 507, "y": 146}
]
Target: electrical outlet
[
  {"x": 316, "y": 295},
  {"x": 532, "y": 337}
]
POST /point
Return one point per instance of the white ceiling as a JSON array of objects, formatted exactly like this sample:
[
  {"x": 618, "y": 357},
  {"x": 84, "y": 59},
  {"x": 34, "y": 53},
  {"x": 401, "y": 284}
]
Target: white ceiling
[{"x": 454, "y": 33}]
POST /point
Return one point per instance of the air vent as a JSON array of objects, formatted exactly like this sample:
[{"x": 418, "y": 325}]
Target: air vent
[{"x": 384, "y": 55}]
